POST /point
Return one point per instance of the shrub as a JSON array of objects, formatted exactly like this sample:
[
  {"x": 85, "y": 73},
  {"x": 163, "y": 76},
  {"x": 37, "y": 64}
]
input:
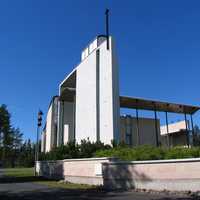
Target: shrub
[
  {"x": 73, "y": 150},
  {"x": 87, "y": 149},
  {"x": 137, "y": 153},
  {"x": 181, "y": 152},
  {"x": 149, "y": 153}
]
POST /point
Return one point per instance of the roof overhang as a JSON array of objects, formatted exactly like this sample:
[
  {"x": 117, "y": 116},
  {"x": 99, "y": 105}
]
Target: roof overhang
[
  {"x": 67, "y": 94},
  {"x": 69, "y": 81},
  {"x": 67, "y": 88},
  {"x": 144, "y": 104}
]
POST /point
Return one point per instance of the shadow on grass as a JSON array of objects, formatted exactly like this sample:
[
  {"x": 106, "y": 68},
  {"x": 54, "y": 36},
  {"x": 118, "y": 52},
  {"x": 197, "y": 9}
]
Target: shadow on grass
[{"x": 10, "y": 179}]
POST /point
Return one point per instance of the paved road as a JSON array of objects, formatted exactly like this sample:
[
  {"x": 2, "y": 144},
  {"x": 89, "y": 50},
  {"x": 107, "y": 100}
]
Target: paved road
[
  {"x": 17, "y": 190},
  {"x": 1, "y": 172}
]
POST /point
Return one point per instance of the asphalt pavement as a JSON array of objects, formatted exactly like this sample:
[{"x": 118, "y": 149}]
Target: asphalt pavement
[{"x": 28, "y": 190}]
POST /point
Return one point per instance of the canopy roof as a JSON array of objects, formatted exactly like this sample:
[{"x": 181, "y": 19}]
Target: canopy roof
[{"x": 144, "y": 104}]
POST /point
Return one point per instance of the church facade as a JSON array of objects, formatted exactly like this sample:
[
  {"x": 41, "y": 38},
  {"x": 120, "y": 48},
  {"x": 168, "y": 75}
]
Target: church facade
[{"x": 88, "y": 104}]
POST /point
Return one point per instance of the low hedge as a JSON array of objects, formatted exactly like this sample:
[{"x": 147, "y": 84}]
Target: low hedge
[
  {"x": 149, "y": 153},
  {"x": 87, "y": 149}
]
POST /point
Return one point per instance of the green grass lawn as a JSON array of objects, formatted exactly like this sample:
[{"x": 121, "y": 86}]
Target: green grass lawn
[
  {"x": 19, "y": 172},
  {"x": 27, "y": 175}
]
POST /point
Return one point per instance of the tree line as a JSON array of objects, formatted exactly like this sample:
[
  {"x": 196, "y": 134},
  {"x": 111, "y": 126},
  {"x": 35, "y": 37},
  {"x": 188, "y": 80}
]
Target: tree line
[{"x": 13, "y": 150}]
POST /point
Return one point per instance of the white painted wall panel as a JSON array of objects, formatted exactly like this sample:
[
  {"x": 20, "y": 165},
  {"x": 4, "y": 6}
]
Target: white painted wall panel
[
  {"x": 109, "y": 94},
  {"x": 86, "y": 99},
  {"x": 66, "y": 133},
  {"x": 43, "y": 141},
  {"x": 48, "y": 129},
  {"x": 93, "y": 46},
  {"x": 60, "y": 123},
  {"x": 86, "y": 102}
]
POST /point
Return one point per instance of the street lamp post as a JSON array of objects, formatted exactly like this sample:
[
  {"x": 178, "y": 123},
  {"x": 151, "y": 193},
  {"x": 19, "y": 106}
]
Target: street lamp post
[{"x": 39, "y": 124}]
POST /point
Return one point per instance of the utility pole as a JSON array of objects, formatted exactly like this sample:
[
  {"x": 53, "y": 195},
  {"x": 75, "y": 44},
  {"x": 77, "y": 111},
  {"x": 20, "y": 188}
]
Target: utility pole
[{"x": 39, "y": 124}]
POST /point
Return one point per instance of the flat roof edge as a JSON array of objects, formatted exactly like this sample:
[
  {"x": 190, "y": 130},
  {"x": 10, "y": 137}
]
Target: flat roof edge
[{"x": 147, "y": 104}]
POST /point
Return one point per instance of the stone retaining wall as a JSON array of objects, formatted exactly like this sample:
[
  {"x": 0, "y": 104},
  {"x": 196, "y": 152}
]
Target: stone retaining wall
[
  {"x": 84, "y": 171},
  {"x": 50, "y": 169},
  {"x": 173, "y": 175}
]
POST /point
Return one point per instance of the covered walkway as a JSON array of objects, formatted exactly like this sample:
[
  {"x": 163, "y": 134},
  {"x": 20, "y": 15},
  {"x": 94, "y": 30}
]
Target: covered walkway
[{"x": 159, "y": 106}]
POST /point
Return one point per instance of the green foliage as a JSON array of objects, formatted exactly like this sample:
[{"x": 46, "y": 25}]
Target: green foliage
[
  {"x": 71, "y": 150},
  {"x": 149, "y": 153},
  {"x": 85, "y": 149},
  {"x": 10, "y": 138},
  {"x": 25, "y": 156},
  {"x": 88, "y": 149},
  {"x": 134, "y": 153},
  {"x": 180, "y": 152},
  {"x": 13, "y": 152}
]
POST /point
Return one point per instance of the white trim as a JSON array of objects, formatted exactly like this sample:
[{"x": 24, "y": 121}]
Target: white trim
[
  {"x": 155, "y": 161},
  {"x": 89, "y": 159}
]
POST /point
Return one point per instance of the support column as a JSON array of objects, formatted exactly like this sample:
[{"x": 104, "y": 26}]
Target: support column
[
  {"x": 167, "y": 125},
  {"x": 156, "y": 128},
  {"x": 62, "y": 125},
  {"x": 192, "y": 124},
  {"x": 187, "y": 132},
  {"x": 137, "y": 127},
  {"x": 74, "y": 118},
  {"x": 60, "y": 122}
]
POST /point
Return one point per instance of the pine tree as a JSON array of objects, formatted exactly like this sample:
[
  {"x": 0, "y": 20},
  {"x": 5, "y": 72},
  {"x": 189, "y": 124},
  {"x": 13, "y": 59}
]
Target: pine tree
[
  {"x": 10, "y": 138},
  {"x": 6, "y": 135}
]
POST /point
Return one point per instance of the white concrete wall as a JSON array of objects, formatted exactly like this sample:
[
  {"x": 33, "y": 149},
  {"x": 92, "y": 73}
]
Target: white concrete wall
[
  {"x": 43, "y": 141},
  {"x": 48, "y": 129},
  {"x": 60, "y": 123},
  {"x": 86, "y": 96},
  {"x": 109, "y": 94},
  {"x": 66, "y": 134},
  {"x": 86, "y": 99},
  {"x": 51, "y": 126}
]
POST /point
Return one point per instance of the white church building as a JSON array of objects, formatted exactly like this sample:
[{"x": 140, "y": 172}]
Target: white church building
[{"x": 89, "y": 102}]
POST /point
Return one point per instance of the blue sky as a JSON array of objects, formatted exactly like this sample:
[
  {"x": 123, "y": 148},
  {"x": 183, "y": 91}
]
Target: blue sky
[{"x": 158, "y": 46}]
